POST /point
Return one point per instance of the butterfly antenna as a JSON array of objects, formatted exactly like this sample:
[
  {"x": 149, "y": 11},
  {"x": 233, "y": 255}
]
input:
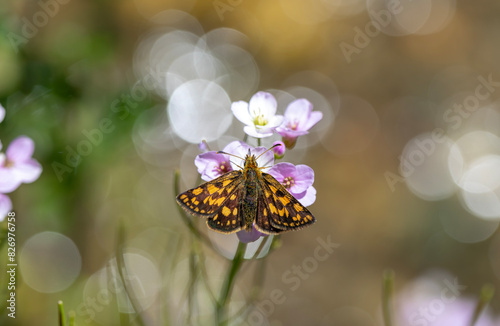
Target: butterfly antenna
[
  {"x": 270, "y": 148},
  {"x": 221, "y": 152}
]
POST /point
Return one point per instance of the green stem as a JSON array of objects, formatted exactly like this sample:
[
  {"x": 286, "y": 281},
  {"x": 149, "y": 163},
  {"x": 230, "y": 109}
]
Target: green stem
[
  {"x": 485, "y": 297},
  {"x": 62, "y": 315},
  {"x": 71, "y": 318},
  {"x": 227, "y": 286},
  {"x": 387, "y": 290},
  {"x": 123, "y": 274},
  {"x": 258, "y": 142}
]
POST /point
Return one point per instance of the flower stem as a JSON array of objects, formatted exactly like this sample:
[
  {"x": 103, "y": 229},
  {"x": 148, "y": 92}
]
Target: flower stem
[
  {"x": 387, "y": 290},
  {"x": 487, "y": 292},
  {"x": 124, "y": 275},
  {"x": 221, "y": 314},
  {"x": 62, "y": 315}
]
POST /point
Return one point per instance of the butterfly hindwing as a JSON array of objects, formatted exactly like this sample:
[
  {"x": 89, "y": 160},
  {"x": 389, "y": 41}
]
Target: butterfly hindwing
[
  {"x": 228, "y": 219},
  {"x": 207, "y": 199},
  {"x": 284, "y": 211},
  {"x": 262, "y": 220}
]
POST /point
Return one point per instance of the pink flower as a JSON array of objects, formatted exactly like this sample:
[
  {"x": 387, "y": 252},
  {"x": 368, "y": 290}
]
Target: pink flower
[
  {"x": 299, "y": 118},
  {"x": 17, "y": 166},
  {"x": 259, "y": 115},
  {"x": 279, "y": 151},
  {"x": 297, "y": 179},
  {"x": 251, "y": 236},
  {"x": 438, "y": 299},
  {"x": 5, "y": 206},
  {"x": 212, "y": 165}
]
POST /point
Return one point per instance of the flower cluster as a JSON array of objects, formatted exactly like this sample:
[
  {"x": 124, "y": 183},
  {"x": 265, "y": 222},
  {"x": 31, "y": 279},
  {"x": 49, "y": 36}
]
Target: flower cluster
[
  {"x": 16, "y": 167},
  {"x": 260, "y": 119},
  {"x": 259, "y": 116}
]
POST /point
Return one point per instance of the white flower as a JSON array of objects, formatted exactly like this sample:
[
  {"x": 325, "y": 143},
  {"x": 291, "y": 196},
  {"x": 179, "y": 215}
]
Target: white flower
[{"x": 259, "y": 115}]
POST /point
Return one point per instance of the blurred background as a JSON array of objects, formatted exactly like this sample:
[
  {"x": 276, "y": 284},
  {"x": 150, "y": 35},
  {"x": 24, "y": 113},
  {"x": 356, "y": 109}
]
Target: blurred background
[{"x": 117, "y": 95}]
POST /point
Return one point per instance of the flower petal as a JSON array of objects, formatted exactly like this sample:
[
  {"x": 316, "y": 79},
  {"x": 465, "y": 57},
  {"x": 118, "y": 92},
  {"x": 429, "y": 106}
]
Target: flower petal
[
  {"x": 282, "y": 170},
  {"x": 2, "y": 113},
  {"x": 307, "y": 197},
  {"x": 5, "y": 206},
  {"x": 8, "y": 180},
  {"x": 252, "y": 131},
  {"x": 20, "y": 149},
  {"x": 262, "y": 103},
  {"x": 275, "y": 121},
  {"x": 27, "y": 171},
  {"x": 290, "y": 134},
  {"x": 251, "y": 236},
  {"x": 298, "y": 110},
  {"x": 237, "y": 148},
  {"x": 266, "y": 159},
  {"x": 209, "y": 163},
  {"x": 240, "y": 111},
  {"x": 314, "y": 118},
  {"x": 303, "y": 178}
]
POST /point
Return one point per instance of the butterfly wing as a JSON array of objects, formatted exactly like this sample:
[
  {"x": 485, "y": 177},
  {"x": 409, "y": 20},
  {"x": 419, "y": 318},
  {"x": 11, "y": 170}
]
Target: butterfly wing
[
  {"x": 207, "y": 199},
  {"x": 278, "y": 210},
  {"x": 228, "y": 218}
]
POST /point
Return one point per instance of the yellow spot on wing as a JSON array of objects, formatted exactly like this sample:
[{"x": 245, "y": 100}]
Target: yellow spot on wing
[
  {"x": 219, "y": 201},
  {"x": 226, "y": 182},
  {"x": 235, "y": 211},
  {"x": 197, "y": 191},
  {"x": 298, "y": 207},
  {"x": 211, "y": 188},
  {"x": 285, "y": 201},
  {"x": 273, "y": 188},
  {"x": 226, "y": 211},
  {"x": 183, "y": 196},
  {"x": 215, "y": 217},
  {"x": 233, "y": 197},
  {"x": 272, "y": 208}
]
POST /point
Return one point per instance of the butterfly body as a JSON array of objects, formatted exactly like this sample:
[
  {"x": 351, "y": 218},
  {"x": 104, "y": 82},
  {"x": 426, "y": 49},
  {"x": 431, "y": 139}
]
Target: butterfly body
[{"x": 244, "y": 199}]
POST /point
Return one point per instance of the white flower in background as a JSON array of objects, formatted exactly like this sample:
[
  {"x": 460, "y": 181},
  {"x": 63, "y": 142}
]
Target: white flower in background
[{"x": 259, "y": 115}]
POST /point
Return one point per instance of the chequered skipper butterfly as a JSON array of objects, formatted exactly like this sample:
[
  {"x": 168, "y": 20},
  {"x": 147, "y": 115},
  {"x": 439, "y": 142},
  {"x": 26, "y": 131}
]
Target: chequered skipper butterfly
[{"x": 240, "y": 199}]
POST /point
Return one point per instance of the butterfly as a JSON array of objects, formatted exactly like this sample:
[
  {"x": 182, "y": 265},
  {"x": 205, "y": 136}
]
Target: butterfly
[{"x": 241, "y": 199}]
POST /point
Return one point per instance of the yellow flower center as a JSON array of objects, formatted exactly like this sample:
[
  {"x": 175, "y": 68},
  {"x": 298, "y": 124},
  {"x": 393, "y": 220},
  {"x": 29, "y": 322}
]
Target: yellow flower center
[
  {"x": 260, "y": 120},
  {"x": 288, "y": 182}
]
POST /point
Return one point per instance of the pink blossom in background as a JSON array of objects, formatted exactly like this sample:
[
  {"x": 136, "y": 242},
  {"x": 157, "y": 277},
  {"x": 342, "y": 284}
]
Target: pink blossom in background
[{"x": 17, "y": 166}]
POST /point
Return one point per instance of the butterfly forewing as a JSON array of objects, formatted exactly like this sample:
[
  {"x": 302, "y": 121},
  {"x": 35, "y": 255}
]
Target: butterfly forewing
[
  {"x": 284, "y": 211},
  {"x": 209, "y": 198}
]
